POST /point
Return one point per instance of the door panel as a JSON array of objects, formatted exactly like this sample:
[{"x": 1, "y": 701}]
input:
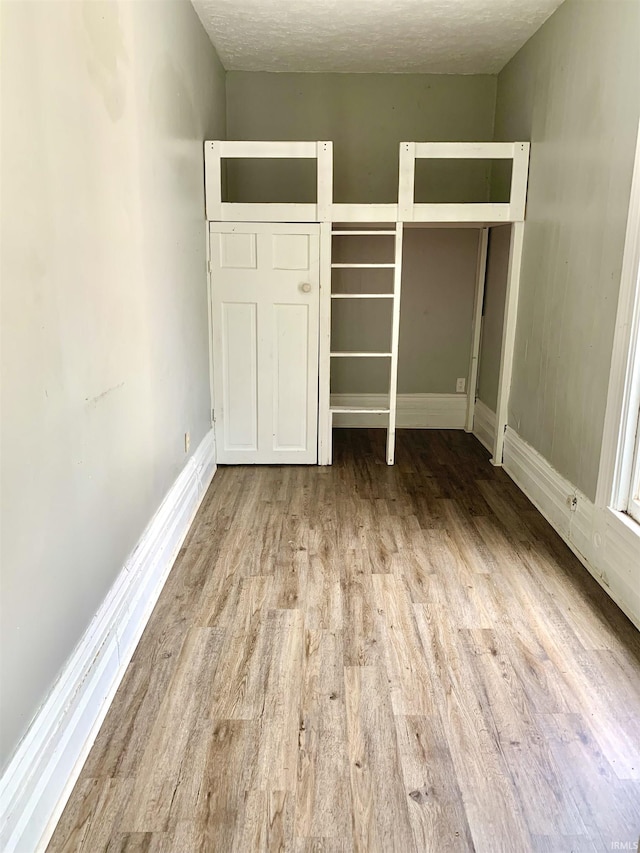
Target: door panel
[
  {"x": 238, "y": 251},
  {"x": 291, "y": 381},
  {"x": 240, "y": 375},
  {"x": 291, "y": 251},
  {"x": 265, "y": 304}
]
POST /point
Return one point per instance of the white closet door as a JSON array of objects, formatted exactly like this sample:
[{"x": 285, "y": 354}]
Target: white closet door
[{"x": 265, "y": 295}]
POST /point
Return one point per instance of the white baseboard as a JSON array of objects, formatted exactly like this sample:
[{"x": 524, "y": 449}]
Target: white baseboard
[
  {"x": 484, "y": 425},
  {"x": 414, "y": 411},
  {"x": 607, "y": 543},
  {"x": 38, "y": 781}
]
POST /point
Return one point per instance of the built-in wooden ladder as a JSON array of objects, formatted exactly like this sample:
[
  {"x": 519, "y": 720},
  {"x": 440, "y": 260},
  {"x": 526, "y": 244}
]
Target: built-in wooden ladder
[{"x": 392, "y": 355}]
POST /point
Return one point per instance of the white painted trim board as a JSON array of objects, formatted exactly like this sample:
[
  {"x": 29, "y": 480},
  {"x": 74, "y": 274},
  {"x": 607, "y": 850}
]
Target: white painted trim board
[
  {"x": 39, "y": 779},
  {"x": 484, "y": 425},
  {"x": 414, "y": 411},
  {"x": 616, "y": 459},
  {"x": 508, "y": 340},
  {"x": 607, "y": 544},
  {"x": 395, "y": 340},
  {"x": 476, "y": 325}
]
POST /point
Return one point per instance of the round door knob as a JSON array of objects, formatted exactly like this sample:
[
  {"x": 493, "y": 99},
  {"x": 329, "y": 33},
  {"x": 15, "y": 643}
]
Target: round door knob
[{"x": 306, "y": 287}]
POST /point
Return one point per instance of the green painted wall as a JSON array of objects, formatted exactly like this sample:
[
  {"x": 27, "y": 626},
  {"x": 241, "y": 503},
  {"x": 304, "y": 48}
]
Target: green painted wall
[
  {"x": 366, "y": 116},
  {"x": 574, "y": 91}
]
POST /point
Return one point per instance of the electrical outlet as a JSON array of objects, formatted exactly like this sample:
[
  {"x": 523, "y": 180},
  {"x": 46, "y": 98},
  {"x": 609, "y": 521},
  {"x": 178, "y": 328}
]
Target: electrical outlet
[
  {"x": 187, "y": 441},
  {"x": 460, "y": 385}
]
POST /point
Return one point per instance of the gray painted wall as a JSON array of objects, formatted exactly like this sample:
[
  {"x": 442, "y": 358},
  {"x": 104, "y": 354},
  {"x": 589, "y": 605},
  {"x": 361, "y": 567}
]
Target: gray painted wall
[
  {"x": 367, "y": 116},
  {"x": 439, "y": 278},
  {"x": 104, "y": 306},
  {"x": 438, "y": 285},
  {"x": 574, "y": 90}
]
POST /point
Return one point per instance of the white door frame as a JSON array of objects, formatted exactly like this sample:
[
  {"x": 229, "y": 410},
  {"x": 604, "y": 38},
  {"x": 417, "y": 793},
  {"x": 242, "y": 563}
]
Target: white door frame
[{"x": 623, "y": 399}]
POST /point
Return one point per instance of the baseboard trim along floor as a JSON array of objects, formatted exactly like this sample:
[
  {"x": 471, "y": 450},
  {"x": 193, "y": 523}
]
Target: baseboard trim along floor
[
  {"x": 38, "y": 781},
  {"x": 608, "y": 547}
]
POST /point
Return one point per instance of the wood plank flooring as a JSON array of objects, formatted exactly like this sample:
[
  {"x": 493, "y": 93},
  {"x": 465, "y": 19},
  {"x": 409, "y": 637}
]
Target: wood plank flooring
[{"x": 372, "y": 659}]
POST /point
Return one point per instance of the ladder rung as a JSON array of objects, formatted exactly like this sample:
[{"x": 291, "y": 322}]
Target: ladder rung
[
  {"x": 363, "y": 233},
  {"x": 362, "y": 295},
  {"x": 360, "y": 354},
  {"x": 362, "y": 266},
  {"x": 357, "y": 410}
]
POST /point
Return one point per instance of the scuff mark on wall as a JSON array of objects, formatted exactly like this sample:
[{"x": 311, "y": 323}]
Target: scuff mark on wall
[{"x": 99, "y": 397}]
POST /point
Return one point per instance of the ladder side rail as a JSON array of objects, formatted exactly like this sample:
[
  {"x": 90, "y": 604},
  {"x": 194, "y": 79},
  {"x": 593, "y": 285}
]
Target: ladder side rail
[{"x": 395, "y": 338}]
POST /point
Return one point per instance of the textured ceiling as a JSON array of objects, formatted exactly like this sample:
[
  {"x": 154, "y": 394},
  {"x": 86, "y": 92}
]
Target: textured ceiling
[{"x": 424, "y": 36}]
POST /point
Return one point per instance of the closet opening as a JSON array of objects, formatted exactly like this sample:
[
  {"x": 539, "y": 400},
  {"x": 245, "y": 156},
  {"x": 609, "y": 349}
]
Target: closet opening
[{"x": 438, "y": 285}]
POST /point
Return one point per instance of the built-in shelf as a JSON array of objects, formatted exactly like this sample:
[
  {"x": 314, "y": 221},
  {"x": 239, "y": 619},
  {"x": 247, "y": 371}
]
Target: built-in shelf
[
  {"x": 362, "y": 295},
  {"x": 362, "y": 266},
  {"x": 360, "y": 354},
  {"x": 358, "y": 410},
  {"x": 363, "y": 233}
]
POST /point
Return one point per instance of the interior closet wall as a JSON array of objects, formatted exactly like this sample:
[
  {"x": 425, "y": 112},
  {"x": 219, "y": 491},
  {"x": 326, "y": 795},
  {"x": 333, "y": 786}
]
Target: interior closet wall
[
  {"x": 574, "y": 90},
  {"x": 367, "y": 116},
  {"x": 104, "y": 306},
  {"x": 439, "y": 269}
]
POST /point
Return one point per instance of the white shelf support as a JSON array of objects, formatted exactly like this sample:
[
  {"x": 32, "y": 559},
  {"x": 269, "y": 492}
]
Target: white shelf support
[
  {"x": 349, "y": 354},
  {"x": 465, "y": 150},
  {"x": 358, "y": 410},
  {"x": 362, "y": 266},
  {"x": 395, "y": 337},
  {"x": 406, "y": 181},
  {"x": 259, "y": 148},
  {"x": 325, "y": 180},
  {"x": 370, "y": 233},
  {"x": 213, "y": 181},
  {"x": 362, "y": 295},
  {"x": 476, "y": 326},
  {"x": 325, "y": 418},
  {"x": 361, "y": 213},
  {"x": 519, "y": 179},
  {"x": 508, "y": 339}
]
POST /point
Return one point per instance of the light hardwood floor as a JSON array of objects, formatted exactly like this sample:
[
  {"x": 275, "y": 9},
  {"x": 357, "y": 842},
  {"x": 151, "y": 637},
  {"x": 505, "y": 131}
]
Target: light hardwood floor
[{"x": 374, "y": 659}]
